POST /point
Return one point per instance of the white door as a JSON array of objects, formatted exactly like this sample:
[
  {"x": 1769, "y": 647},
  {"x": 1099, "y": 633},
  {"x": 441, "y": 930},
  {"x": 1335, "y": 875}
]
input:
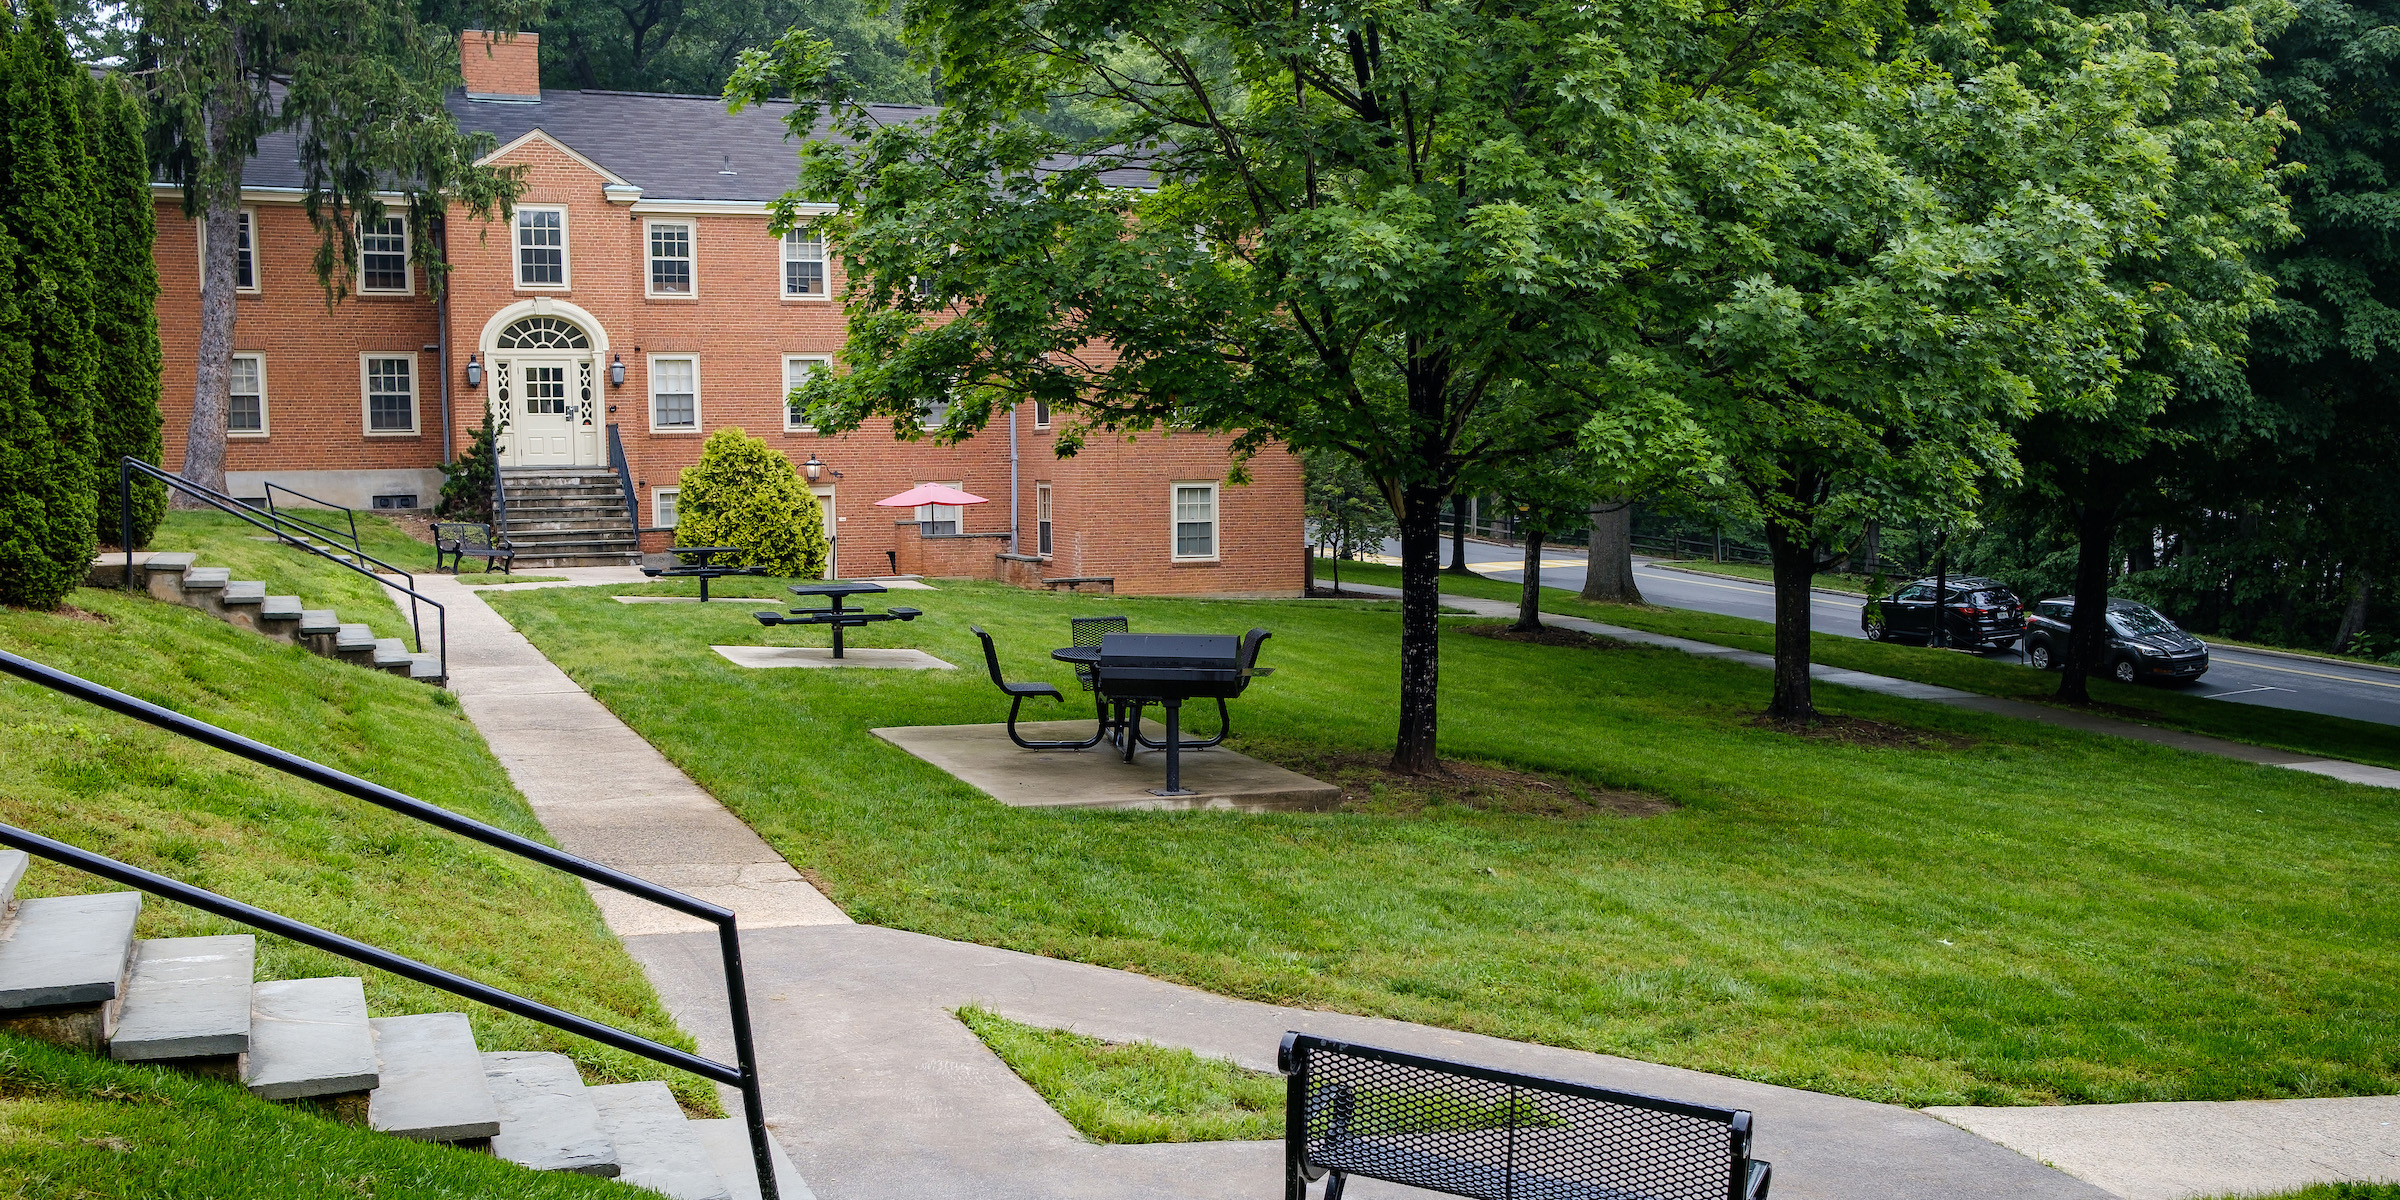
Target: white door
[
  {"x": 833, "y": 545},
  {"x": 545, "y": 435}
]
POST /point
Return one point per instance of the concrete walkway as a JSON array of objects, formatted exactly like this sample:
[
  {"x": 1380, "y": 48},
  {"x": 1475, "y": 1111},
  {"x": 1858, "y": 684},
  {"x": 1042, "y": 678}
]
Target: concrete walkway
[
  {"x": 879, "y": 1093},
  {"x": 2063, "y": 718}
]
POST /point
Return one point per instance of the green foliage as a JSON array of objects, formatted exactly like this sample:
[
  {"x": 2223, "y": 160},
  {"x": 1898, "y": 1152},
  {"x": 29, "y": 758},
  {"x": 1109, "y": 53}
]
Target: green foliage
[
  {"x": 125, "y": 412},
  {"x": 467, "y": 482},
  {"x": 1343, "y": 507},
  {"x": 690, "y": 46},
  {"x": 47, "y": 500},
  {"x": 745, "y": 493},
  {"x": 1134, "y": 1092}
]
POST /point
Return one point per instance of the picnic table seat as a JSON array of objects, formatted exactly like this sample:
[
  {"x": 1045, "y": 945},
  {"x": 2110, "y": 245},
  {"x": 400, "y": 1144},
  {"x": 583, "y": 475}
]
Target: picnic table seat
[{"x": 1018, "y": 693}]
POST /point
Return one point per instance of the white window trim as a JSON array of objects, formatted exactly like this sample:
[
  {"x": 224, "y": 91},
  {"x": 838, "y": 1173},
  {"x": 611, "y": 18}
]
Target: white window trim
[
  {"x": 416, "y": 406},
  {"x": 691, "y": 230},
  {"x": 824, "y": 295},
  {"x": 266, "y": 422},
  {"x": 650, "y": 371},
  {"x": 408, "y": 263},
  {"x": 200, "y": 248},
  {"x": 928, "y": 513},
  {"x": 1045, "y": 498},
  {"x": 566, "y": 252},
  {"x": 824, "y": 360},
  {"x": 657, "y": 494},
  {"x": 1041, "y": 414},
  {"x": 1216, "y": 521}
]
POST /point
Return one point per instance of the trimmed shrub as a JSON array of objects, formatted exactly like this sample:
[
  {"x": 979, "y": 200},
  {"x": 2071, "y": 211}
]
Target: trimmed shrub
[
  {"x": 745, "y": 493},
  {"x": 125, "y": 416}
]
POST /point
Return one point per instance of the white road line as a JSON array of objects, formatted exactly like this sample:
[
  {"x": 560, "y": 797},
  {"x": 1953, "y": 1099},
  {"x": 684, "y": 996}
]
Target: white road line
[{"x": 2321, "y": 675}]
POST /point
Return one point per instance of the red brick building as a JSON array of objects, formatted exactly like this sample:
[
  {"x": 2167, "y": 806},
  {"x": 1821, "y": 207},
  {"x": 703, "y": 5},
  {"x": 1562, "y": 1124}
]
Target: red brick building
[{"x": 638, "y": 290}]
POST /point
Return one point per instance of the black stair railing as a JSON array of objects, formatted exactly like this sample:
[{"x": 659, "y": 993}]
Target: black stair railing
[
  {"x": 499, "y": 505},
  {"x": 329, "y": 534},
  {"x": 616, "y": 462},
  {"x": 128, "y": 467},
  {"x": 742, "y": 1073}
]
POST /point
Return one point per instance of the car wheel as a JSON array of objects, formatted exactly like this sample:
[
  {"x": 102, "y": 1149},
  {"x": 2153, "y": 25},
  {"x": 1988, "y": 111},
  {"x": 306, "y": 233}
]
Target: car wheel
[
  {"x": 2124, "y": 671},
  {"x": 1875, "y": 632},
  {"x": 2038, "y": 655}
]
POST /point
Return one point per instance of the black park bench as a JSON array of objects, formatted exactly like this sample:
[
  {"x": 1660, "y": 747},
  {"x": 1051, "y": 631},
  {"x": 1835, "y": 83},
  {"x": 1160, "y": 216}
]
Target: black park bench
[
  {"x": 462, "y": 540},
  {"x": 1474, "y": 1131}
]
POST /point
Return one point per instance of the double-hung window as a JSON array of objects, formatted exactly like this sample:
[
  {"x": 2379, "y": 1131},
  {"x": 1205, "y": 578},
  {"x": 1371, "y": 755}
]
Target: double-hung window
[
  {"x": 1195, "y": 521},
  {"x": 803, "y": 264},
  {"x": 1041, "y": 414},
  {"x": 662, "y": 507},
  {"x": 670, "y": 258},
  {"x": 938, "y": 520},
  {"x": 390, "y": 383},
  {"x": 541, "y": 247},
  {"x": 383, "y": 256},
  {"x": 796, "y": 370},
  {"x": 1041, "y": 518},
  {"x": 246, "y": 400},
  {"x": 675, "y": 393},
  {"x": 245, "y": 262}
]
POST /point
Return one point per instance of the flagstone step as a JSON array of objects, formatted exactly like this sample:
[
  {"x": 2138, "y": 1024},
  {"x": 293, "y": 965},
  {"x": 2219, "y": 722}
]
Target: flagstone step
[
  {"x": 654, "y": 1143},
  {"x": 547, "y": 1122},
  {"x": 391, "y": 654},
  {"x": 431, "y": 1085},
  {"x": 62, "y": 950},
  {"x": 186, "y": 998},
  {"x": 319, "y": 621},
  {"x": 728, "y": 1146},
  {"x": 206, "y": 579},
  {"x": 244, "y": 591},
  {"x": 12, "y": 871},
  {"x": 309, "y": 1037},
  {"x": 281, "y": 608},
  {"x": 170, "y": 560},
  {"x": 355, "y": 641}
]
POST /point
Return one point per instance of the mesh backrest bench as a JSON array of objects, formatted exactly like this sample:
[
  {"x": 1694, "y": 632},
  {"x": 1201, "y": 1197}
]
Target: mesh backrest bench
[{"x": 1497, "y": 1135}]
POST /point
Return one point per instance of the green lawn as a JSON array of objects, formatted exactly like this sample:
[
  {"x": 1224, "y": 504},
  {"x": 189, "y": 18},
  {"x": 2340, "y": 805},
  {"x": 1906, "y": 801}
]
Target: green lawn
[
  {"x": 76, "y": 1126},
  {"x": 118, "y": 787},
  {"x": 2032, "y": 915},
  {"x": 2302, "y": 733},
  {"x": 1135, "y": 1092}
]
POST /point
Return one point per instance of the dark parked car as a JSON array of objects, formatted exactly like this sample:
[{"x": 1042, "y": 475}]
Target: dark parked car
[
  {"x": 1982, "y": 614},
  {"x": 2142, "y": 644}
]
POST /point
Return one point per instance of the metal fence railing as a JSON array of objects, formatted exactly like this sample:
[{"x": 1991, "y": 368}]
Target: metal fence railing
[{"x": 326, "y": 532}]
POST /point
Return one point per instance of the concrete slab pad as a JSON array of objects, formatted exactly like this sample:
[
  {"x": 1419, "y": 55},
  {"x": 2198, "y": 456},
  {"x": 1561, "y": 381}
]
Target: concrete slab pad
[
  {"x": 2350, "y": 772},
  {"x": 655, "y": 1146},
  {"x": 547, "y": 1122},
  {"x": 187, "y": 998},
  {"x": 728, "y": 1147},
  {"x": 764, "y": 895},
  {"x": 432, "y": 1087},
  {"x": 899, "y": 583},
  {"x": 2176, "y": 1151},
  {"x": 67, "y": 949},
  {"x": 309, "y": 1037},
  {"x": 713, "y": 599},
  {"x": 982, "y": 756},
  {"x": 889, "y": 658}
]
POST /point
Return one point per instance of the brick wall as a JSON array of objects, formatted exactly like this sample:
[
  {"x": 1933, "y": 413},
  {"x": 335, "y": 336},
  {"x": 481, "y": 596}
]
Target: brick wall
[{"x": 494, "y": 66}]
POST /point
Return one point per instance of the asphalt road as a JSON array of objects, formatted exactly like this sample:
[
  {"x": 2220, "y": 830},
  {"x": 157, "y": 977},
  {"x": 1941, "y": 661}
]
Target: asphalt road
[{"x": 2242, "y": 677}]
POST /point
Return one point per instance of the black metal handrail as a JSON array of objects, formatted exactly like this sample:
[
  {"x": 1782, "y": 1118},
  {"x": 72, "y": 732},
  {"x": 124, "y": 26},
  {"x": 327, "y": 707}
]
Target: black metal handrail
[
  {"x": 355, "y": 546},
  {"x": 743, "y": 1073},
  {"x": 129, "y": 466},
  {"x": 499, "y": 502},
  {"x": 616, "y": 462}
]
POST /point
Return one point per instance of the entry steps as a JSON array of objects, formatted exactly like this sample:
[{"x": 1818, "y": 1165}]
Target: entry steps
[
  {"x": 72, "y": 972},
  {"x": 568, "y": 517},
  {"x": 175, "y": 577}
]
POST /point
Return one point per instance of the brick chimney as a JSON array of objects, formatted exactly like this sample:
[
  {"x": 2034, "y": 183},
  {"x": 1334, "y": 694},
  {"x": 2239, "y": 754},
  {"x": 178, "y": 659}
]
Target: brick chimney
[{"x": 501, "y": 68}]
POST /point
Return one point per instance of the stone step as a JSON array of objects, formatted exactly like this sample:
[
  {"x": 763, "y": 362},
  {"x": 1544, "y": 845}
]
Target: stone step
[
  {"x": 354, "y": 638},
  {"x": 391, "y": 654},
  {"x": 12, "y": 872},
  {"x": 547, "y": 1122},
  {"x": 519, "y": 525},
  {"x": 431, "y": 1086},
  {"x": 170, "y": 560},
  {"x": 320, "y": 620},
  {"x": 591, "y": 492},
  {"x": 309, "y": 1037},
  {"x": 426, "y": 668},
  {"x": 206, "y": 579},
  {"x": 187, "y": 998},
  {"x": 559, "y": 542},
  {"x": 281, "y": 608},
  {"x": 244, "y": 591},
  {"x": 66, "y": 950},
  {"x": 655, "y": 1146},
  {"x": 728, "y": 1146},
  {"x": 578, "y": 560}
]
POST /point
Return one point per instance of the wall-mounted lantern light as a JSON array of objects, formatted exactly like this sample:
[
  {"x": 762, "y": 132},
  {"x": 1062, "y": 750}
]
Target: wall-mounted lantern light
[
  {"x": 474, "y": 372},
  {"x": 814, "y": 468},
  {"x": 616, "y": 371}
]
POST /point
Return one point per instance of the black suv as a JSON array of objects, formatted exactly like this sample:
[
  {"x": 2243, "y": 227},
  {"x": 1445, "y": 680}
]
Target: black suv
[
  {"x": 1982, "y": 614},
  {"x": 2141, "y": 643}
]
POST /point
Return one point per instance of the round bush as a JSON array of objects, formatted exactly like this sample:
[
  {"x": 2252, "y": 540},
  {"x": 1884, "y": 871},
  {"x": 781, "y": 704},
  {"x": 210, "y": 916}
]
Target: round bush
[{"x": 744, "y": 493}]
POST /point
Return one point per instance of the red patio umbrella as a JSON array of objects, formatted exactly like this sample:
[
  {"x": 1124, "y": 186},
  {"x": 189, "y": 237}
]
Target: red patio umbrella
[{"x": 930, "y": 493}]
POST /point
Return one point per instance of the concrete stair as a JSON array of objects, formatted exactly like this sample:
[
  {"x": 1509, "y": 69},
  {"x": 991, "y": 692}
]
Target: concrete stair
[
  {"x": 654, "y": 1143},
  {"x": 310, "y": 1037},
  {"x": 561, "y": 517},
  {"x": 547, "y": 1118},
  {"x": 432, "y": 1087},
  {"x": 187, "y": 998},
  {"x": 63, "y": 963},
  {"x": 176, "y": 578}
]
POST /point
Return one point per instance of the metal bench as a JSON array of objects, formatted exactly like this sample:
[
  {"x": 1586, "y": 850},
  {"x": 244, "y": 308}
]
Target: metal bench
[
  {"x": 1074, "y": 583},
  {"x": 462, "y": 540},
  {"x": 1474, "y": 1131}
]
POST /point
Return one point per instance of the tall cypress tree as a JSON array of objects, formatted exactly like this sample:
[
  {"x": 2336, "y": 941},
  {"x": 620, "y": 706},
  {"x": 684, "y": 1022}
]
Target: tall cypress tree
[
  {"x": 47, "y": 503},
  {"x": 125, "y": 417}
]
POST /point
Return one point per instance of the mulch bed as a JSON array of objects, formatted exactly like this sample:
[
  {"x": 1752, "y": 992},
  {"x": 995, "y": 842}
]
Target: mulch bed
[
  {"x": 1370, "y": 785},
  {"x": 1859, "y": 731},
  {"x": 1547, "y": 635}
]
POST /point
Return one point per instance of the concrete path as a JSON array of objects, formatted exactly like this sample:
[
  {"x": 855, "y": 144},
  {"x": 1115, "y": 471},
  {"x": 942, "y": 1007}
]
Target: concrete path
[
  {"x": 2061, "y": 717},
  {"x": 2198, "y": 1149}
]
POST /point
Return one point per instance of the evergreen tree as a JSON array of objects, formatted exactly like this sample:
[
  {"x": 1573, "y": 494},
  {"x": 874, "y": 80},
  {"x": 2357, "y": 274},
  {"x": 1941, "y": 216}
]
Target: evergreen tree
[
  {"x": 125, "y": 417},
  {"x": 47, "y": 511}
]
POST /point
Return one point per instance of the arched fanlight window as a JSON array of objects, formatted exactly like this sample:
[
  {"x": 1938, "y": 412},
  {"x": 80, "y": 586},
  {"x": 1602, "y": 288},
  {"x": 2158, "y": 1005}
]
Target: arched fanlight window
[{"x": 544, "y": 333}]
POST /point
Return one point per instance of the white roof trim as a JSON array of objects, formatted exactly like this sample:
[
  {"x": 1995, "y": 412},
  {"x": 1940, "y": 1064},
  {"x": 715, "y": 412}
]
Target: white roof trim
[
  {"x": 555, "y": 144},
  {"x": 266, "y": 195},
  {"x": 713, "y": 208}
]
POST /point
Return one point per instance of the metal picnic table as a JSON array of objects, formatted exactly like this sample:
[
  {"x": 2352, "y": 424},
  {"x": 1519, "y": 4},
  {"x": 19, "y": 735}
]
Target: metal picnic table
[
  {"x": 835, "y": 613},
  {"x": 704, "y": 570},
  {"x": 1166, "y": 669}
]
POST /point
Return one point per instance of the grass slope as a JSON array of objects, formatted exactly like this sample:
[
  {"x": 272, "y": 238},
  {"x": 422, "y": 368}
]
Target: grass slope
[
  {"x": 2299, "y": 732},
  {"x": 1135, "y": 1092},
  {"x": 121, "y": 788},
  {"x": 225, "y": 541},
  {"x": 72, "y": 1125},
  {"x": 2042, "y": 915}
]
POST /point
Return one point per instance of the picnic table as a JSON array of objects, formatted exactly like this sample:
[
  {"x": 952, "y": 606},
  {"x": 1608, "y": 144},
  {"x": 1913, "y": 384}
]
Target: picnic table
[
  {"x": 706, "y": 569},
  {"x": 835, "y": 612},
  {"x": 1166, "y": 669}
]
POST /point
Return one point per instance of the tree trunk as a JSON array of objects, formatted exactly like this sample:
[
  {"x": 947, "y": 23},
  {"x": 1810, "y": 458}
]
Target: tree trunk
[
  {"x": 2354, "y": 618},
  {"x": 1795, "y": 566},
  {"x": 1870, "y": 545},
  {"x": 1420, "y": 630},
  {"x": 220, "y": 220},
  {"x": 1529, "y": 602},
  {"x": 1608, "y": 573},
  {"x": 2087, "y": 632},
  {"x": 1458, "y": 533},
  {"x": 1941, "y": 590}
]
